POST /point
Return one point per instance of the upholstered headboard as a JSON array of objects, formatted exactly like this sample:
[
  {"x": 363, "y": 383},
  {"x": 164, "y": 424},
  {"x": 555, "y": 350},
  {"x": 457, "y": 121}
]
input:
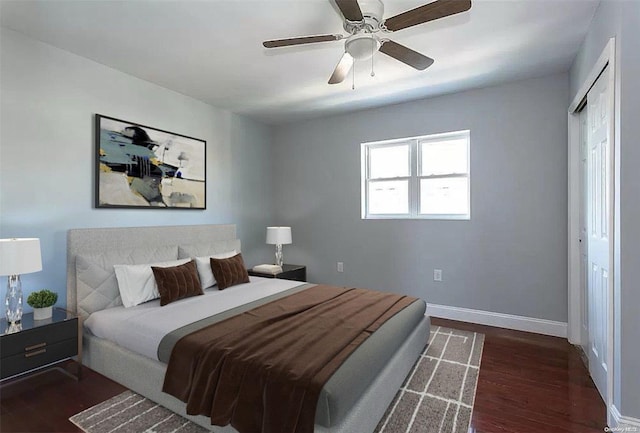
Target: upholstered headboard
[{"x": 91, "y": 254}]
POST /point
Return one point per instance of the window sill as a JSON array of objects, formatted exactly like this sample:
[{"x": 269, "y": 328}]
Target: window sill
[{"x": 417, "y": 217}]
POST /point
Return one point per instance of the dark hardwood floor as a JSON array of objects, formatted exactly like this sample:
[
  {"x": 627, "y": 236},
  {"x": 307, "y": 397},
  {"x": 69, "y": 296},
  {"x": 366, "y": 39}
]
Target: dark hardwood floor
[
  {"x": 531, "y": 383},
  {"x": 528, "y": 383},
  {"x": 44, "y": 401}
]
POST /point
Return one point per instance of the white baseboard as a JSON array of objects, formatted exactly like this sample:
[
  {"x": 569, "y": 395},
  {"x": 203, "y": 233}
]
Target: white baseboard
[
  {"x": 623, "y": 423},
  {"x": 500, "y": 320}
]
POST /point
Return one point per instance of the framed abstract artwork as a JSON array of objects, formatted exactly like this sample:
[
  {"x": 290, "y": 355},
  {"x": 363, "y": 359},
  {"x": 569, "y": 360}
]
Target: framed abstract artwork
[{"x": 142, "y": 167}]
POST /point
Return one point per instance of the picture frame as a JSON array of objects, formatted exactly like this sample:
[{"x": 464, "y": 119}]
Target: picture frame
[{"x": 142, "y": 167}]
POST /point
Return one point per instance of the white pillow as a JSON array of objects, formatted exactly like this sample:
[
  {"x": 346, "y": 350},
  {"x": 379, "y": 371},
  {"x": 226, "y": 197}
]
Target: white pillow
[
  {"x": 204, "y": 268},
  {"x": 137, "y": 283}
]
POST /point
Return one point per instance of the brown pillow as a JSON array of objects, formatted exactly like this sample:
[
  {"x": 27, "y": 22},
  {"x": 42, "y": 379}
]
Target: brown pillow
[
  {"x": 229, "y": 272},
  {"x": 177, "y": 282}
]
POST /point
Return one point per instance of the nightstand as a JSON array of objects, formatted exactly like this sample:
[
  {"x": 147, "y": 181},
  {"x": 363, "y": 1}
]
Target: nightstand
[
  {"x": 39, "y": 343},
  {"x": 289, "y": 272}
]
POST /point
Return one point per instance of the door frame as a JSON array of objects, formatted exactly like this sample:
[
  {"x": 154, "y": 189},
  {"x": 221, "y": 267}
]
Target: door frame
[{"x": 575, "y": 295}]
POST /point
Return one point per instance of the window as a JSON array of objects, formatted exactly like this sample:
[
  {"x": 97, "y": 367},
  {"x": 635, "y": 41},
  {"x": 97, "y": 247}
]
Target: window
[{"x": 420, "y": 177}]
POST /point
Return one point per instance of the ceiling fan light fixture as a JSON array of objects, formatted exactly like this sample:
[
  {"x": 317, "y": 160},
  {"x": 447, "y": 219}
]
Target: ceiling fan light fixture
[
  {"x": 362, "y": 46},
  {"x": 366, "y": 29}
]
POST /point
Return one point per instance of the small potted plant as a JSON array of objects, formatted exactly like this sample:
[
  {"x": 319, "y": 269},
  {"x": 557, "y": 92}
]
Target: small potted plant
[{"x": 42, "y": 301}]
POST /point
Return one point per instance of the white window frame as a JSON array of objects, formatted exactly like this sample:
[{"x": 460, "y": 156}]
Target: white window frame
[{"x": 414, "y": 175}]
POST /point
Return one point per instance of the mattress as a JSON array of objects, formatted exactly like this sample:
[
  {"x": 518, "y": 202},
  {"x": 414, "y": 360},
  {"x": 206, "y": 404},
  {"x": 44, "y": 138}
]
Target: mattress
[{"x": 141, "y": 329}]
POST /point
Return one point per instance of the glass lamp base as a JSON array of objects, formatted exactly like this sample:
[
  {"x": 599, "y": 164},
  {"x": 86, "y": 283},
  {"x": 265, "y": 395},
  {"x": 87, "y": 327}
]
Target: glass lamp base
[
  {"x": 279, "y": 259},
  {"x": 13, "y": 300},
  {"x": 13, "y": 328}
]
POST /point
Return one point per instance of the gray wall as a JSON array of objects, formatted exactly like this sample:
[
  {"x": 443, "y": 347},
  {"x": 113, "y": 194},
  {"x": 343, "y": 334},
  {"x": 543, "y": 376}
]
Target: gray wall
[
  {"x": 49, "y": 97},
  {"x": 621, "y": 19},
  {"x": 511, "y": 257}
]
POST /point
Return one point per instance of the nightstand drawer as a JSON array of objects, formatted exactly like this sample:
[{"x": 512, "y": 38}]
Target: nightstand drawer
[
  {"x": 11, "y": 365},
  {"x": 37, "y": 338}
]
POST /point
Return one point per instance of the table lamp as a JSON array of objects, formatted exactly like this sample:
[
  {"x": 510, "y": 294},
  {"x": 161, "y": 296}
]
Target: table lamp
[
  {"x": 278, "y": 236},
  {"x": 18, "y": 256}
]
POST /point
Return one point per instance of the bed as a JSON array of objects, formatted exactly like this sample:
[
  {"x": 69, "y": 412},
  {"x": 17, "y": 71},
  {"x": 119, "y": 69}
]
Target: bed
[{"x": 352, "y": 400}]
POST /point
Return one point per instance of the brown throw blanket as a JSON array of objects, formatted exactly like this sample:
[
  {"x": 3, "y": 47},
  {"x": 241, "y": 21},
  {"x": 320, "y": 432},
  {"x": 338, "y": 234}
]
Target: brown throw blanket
[{"x": 262, "y": 370}]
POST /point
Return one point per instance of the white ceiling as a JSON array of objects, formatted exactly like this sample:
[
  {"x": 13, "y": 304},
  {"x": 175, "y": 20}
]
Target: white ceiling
[{"x": 212, "y": 51}]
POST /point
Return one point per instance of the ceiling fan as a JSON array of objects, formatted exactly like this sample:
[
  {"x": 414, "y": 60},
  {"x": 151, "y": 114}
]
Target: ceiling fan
[{"x": 366, "y": 27}]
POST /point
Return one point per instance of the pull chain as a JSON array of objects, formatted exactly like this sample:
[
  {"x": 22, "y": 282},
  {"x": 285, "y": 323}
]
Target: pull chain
[
  {"x": 373, "y": 74},
  {"x": 353, "y": 76}
]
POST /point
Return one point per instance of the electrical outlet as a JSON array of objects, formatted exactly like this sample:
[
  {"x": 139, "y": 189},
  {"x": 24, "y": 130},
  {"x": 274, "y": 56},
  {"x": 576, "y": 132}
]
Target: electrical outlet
[
  {"x": 437, "y": 275},
  {"x": 340, "y": 267}
]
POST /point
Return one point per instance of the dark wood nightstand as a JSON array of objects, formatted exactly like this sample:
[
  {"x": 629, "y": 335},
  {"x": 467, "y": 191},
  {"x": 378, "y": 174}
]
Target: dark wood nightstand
[
  {"x": 38, "y": 343},
  {"x": 289, "y": 272}
]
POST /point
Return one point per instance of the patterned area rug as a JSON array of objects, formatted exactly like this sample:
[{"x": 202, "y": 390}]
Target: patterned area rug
[
  {"x": 437, "y": 396},
  {"x": 132, "y": 413}
]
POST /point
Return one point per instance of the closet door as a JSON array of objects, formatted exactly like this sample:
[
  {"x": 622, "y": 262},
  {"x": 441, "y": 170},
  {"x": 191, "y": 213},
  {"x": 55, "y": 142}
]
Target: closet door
[{"x": 599, "y": 227}]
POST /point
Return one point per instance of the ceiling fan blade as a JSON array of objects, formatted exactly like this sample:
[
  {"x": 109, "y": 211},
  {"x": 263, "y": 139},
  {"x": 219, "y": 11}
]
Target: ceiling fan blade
[
  {"x": 406, "y": 55},
  {"x": 429, "y": 12},
  {"x": 350, "y": 9},
  {"x": 342, "y": 69},
  {"x": 299, "y": 41}
]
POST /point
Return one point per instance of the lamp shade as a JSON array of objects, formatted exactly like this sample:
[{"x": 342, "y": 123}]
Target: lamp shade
[
  {"x": 20, "y": 256},
  {"x": 278, "y": 235}
]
